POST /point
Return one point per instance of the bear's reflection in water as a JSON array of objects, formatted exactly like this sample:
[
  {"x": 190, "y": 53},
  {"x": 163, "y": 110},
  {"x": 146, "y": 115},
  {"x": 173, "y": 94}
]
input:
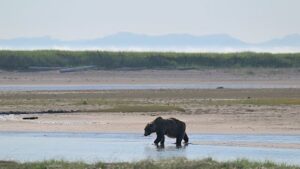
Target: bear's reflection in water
[
  {"x": 176, "y": 146},
  {"x": 165, "y": 151}
]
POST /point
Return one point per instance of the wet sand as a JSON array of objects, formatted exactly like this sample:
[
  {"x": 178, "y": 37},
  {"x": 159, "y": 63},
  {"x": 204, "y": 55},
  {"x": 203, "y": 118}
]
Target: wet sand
[{"x": 286, "y": 77}]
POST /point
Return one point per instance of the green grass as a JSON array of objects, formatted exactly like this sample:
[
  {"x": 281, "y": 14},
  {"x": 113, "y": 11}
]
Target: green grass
[
  {"x": 178, "y": 163},
  {"x": 269, "y": 101},
  {"x": 22, "y": 60},
  {"x": 134, "y": 105}
]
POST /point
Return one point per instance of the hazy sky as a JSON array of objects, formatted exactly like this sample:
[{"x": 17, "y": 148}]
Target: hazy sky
[{"x": 249, "y": 20}]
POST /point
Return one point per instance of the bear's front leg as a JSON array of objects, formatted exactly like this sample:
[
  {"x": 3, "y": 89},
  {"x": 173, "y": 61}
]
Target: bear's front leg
[{"x": 160, "y": 138}]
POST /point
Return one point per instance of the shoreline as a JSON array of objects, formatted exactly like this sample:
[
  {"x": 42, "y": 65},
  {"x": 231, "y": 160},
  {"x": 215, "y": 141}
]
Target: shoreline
[{"x": 141, "y": 132}]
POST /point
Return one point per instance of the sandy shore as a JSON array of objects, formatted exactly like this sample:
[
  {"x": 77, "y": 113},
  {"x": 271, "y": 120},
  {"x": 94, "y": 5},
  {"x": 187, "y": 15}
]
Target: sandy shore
[{"x": 135, "y": 123}]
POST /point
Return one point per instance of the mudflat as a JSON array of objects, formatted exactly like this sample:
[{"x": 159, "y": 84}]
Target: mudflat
[
  {"x": 217, "y": 111},
  {"x": 256, "y": 111}
]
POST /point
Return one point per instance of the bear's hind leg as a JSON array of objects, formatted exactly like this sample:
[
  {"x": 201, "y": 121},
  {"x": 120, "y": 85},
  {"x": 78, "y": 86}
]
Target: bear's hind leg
[
  {"x": 186, "y": 138},
  {"x": 178, "y": 140}
]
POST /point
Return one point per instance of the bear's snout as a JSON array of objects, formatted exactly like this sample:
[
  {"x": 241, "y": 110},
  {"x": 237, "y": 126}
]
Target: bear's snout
[{"x": 146, "y": 134}]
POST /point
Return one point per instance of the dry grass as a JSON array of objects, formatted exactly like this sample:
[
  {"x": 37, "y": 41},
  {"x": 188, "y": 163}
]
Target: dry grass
[{"x": 178, "y": 163}]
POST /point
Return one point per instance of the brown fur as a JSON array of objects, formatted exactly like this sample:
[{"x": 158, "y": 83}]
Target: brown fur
[{"x": 171, "y": 127}]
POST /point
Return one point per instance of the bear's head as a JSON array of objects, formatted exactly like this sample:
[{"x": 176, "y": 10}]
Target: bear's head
[{"x": 149, "y": 129}]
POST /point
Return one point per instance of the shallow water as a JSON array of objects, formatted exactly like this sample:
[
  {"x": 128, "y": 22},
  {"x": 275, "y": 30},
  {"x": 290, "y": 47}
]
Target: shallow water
[
  {"x": 202, "y": 85},
  {"x": 92, "y": 147}
]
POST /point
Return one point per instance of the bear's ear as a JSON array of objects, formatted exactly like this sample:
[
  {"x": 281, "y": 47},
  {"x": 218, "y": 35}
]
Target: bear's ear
[{"x": 159, "y": 118}]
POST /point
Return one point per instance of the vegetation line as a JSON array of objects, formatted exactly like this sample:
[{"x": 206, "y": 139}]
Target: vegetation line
[{"x": 47, "y": 59}]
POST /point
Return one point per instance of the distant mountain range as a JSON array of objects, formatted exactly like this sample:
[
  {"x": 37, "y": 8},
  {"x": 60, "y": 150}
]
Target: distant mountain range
[{"x": 169, "y": 42}]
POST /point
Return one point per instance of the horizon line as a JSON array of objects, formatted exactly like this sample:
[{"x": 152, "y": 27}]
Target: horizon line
[{"x": 148, "y": 35}]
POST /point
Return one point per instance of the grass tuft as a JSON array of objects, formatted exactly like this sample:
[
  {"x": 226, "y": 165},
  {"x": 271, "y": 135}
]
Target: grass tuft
[{"x": 175, "y": 163}]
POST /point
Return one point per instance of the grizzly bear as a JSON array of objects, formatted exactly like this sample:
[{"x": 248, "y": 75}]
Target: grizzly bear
[{"x": 171, "y": 127}]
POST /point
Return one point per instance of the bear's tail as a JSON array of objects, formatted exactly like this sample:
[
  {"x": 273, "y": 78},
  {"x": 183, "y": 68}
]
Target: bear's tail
[{"x": 186, "y": 138}]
